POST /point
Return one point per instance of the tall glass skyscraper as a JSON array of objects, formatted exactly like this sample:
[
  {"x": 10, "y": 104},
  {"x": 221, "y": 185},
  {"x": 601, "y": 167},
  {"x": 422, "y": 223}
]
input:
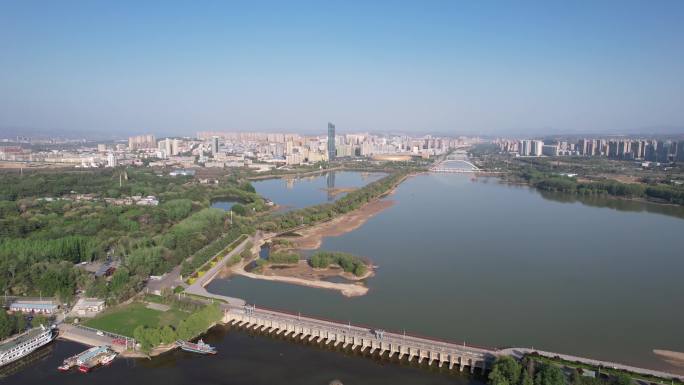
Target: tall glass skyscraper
[{"x": 331, "y": 141}]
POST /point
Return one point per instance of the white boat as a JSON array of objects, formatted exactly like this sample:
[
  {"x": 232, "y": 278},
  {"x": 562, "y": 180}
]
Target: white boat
[
  {"x": 23, "y": 344},
  {"x": 200, "y": 347}
]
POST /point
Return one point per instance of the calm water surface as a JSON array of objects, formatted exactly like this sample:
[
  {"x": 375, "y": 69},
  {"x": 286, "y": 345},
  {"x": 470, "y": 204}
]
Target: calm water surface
[
  {"x": 295, "y": 193},
  {"x": 242, "y": 360},
  {"x": 501, "y": 265},
  {"x": 223, "y": 205}
]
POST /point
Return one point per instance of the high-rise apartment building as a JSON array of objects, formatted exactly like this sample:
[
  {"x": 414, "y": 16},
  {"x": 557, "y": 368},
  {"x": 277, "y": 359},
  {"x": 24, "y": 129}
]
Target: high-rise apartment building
[
  {"x": 170, "y": 147},
  {"x": 142, "y": 141},
  {"x": 214, "y": 145},
  {"x": 331, "y": 141},
  {"x": 537, "y": 148}
]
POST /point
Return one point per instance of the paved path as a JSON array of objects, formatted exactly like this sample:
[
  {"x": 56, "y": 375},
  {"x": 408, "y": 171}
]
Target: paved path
[
  {"x": 88, "y": 337},
  {"x": 197, "y": 287},
  {"x": 168, "y": 281}
]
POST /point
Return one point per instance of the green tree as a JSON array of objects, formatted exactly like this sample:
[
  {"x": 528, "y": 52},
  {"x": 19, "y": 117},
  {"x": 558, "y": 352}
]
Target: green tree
[
  {"x": 20, "y": 322},
  {"x": 119, "y": 280},
  {"x": 622, "y": 379},
  {"x": 7, "y": 324},
  {"x": 526, "y": 378},
  {"x": 239, "y": 209},
  {"x": 550, "y": 375},
  {"x": 153, "y": 336},
  {"x": 167, "y": 334},
  {"x": 40, "y": 319},
  {"x": 506, "y": 371},
  {"x": 140, "y": 336}
]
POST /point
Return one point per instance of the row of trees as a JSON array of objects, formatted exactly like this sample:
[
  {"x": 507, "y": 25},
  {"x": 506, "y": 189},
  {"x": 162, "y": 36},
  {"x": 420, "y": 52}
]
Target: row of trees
[
  {"x": 196, "y": 323},
  {"x": 348, "y": 262},
  {"x": 507, "y": 371},
  {"x": 549, "y": 181},
  {"x": 17, "y": 323},
  {"x": 318, "y": 213},
  {"x": 215, "y": 247}
]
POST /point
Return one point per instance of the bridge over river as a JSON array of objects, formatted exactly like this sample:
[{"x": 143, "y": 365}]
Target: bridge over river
[{"x": 455, "y": 163}]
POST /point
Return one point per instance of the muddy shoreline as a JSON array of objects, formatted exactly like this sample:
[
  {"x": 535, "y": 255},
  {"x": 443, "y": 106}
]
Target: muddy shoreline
[{"x": 311, "y": 238}]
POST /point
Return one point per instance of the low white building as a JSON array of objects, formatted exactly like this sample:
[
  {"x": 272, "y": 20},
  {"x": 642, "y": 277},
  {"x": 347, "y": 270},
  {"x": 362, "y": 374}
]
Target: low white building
[
  {"x": 42, "y": 307},
  {"x": 88, "y": 307}
]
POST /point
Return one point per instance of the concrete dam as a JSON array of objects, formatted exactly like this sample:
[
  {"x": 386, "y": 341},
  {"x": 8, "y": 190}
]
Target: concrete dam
[{"x": 304, "y": 328}]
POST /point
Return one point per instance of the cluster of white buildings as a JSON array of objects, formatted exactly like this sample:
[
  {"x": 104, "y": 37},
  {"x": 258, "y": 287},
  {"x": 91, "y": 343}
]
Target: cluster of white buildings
[
  {"x": 134, "y": 200},
  {"x": 259, "y": 151},
  {"x": 295, "y": 149},
  {"x": 623, "y": 148}
]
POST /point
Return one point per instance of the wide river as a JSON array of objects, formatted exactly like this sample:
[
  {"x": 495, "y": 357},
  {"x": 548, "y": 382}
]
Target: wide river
[
  {"x": 499, "y": 265},
  {"x": 461, "y": 259},
  {"x": 242, "y": 359}
]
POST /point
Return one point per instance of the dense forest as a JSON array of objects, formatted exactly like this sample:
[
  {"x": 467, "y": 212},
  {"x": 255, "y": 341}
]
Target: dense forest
[{"x": 52, "y": 221}]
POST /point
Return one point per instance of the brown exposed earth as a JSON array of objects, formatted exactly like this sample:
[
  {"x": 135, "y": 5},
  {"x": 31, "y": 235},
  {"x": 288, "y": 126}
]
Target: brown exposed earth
[
  {"x": 671, "y": 357},
  {"x": 312, "y": 237},
  {"x": 335, "y": 191},
  {"x": 347, "y": 289}
]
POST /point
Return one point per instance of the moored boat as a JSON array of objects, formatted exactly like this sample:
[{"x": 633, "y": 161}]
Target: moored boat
[
  {"x": 200, "y": 347},
  {"x": 102, "y": 359},
  {"x": 23, "y": 344},
  {"x": 86, "y": 360}
]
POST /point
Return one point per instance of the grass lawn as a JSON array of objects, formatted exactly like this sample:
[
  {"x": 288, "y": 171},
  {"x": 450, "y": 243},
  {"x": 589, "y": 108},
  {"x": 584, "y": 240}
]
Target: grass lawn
[{"x": 123, "y": 320}]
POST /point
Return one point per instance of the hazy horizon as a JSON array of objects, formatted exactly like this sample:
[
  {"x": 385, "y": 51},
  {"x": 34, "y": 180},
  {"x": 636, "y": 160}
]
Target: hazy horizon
[{"x": 536, "y": 68}]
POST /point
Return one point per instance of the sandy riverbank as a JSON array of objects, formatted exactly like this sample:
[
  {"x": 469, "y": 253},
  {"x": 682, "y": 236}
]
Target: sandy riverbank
[
  {"x": 312, "y": 237},
  {"x": 347, "y": 289},
  {"x": 335, "y": 191},
  {"x": 671, "y": 357}
]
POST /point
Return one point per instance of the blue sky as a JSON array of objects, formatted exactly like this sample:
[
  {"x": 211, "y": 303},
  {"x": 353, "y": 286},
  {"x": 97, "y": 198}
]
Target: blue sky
[{"x": 453, "y": 67}]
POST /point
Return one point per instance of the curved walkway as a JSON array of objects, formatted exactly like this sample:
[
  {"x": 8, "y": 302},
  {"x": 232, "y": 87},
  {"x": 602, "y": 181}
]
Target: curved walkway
[{"x": 197, "y": 288}]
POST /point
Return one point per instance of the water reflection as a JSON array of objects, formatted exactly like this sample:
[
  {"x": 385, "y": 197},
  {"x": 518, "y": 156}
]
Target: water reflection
[
  {"x": 615, "y": 203},
  {"x": 330, "y": 182},
  {"x": 298, "y": 192},
  {"x": 249, "y": 359},
  {"x": 465, "y": 252}
]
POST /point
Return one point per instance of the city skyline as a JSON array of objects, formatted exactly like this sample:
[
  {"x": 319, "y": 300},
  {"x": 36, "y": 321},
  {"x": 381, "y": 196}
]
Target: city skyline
[{"x": 440, "y": 68}]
